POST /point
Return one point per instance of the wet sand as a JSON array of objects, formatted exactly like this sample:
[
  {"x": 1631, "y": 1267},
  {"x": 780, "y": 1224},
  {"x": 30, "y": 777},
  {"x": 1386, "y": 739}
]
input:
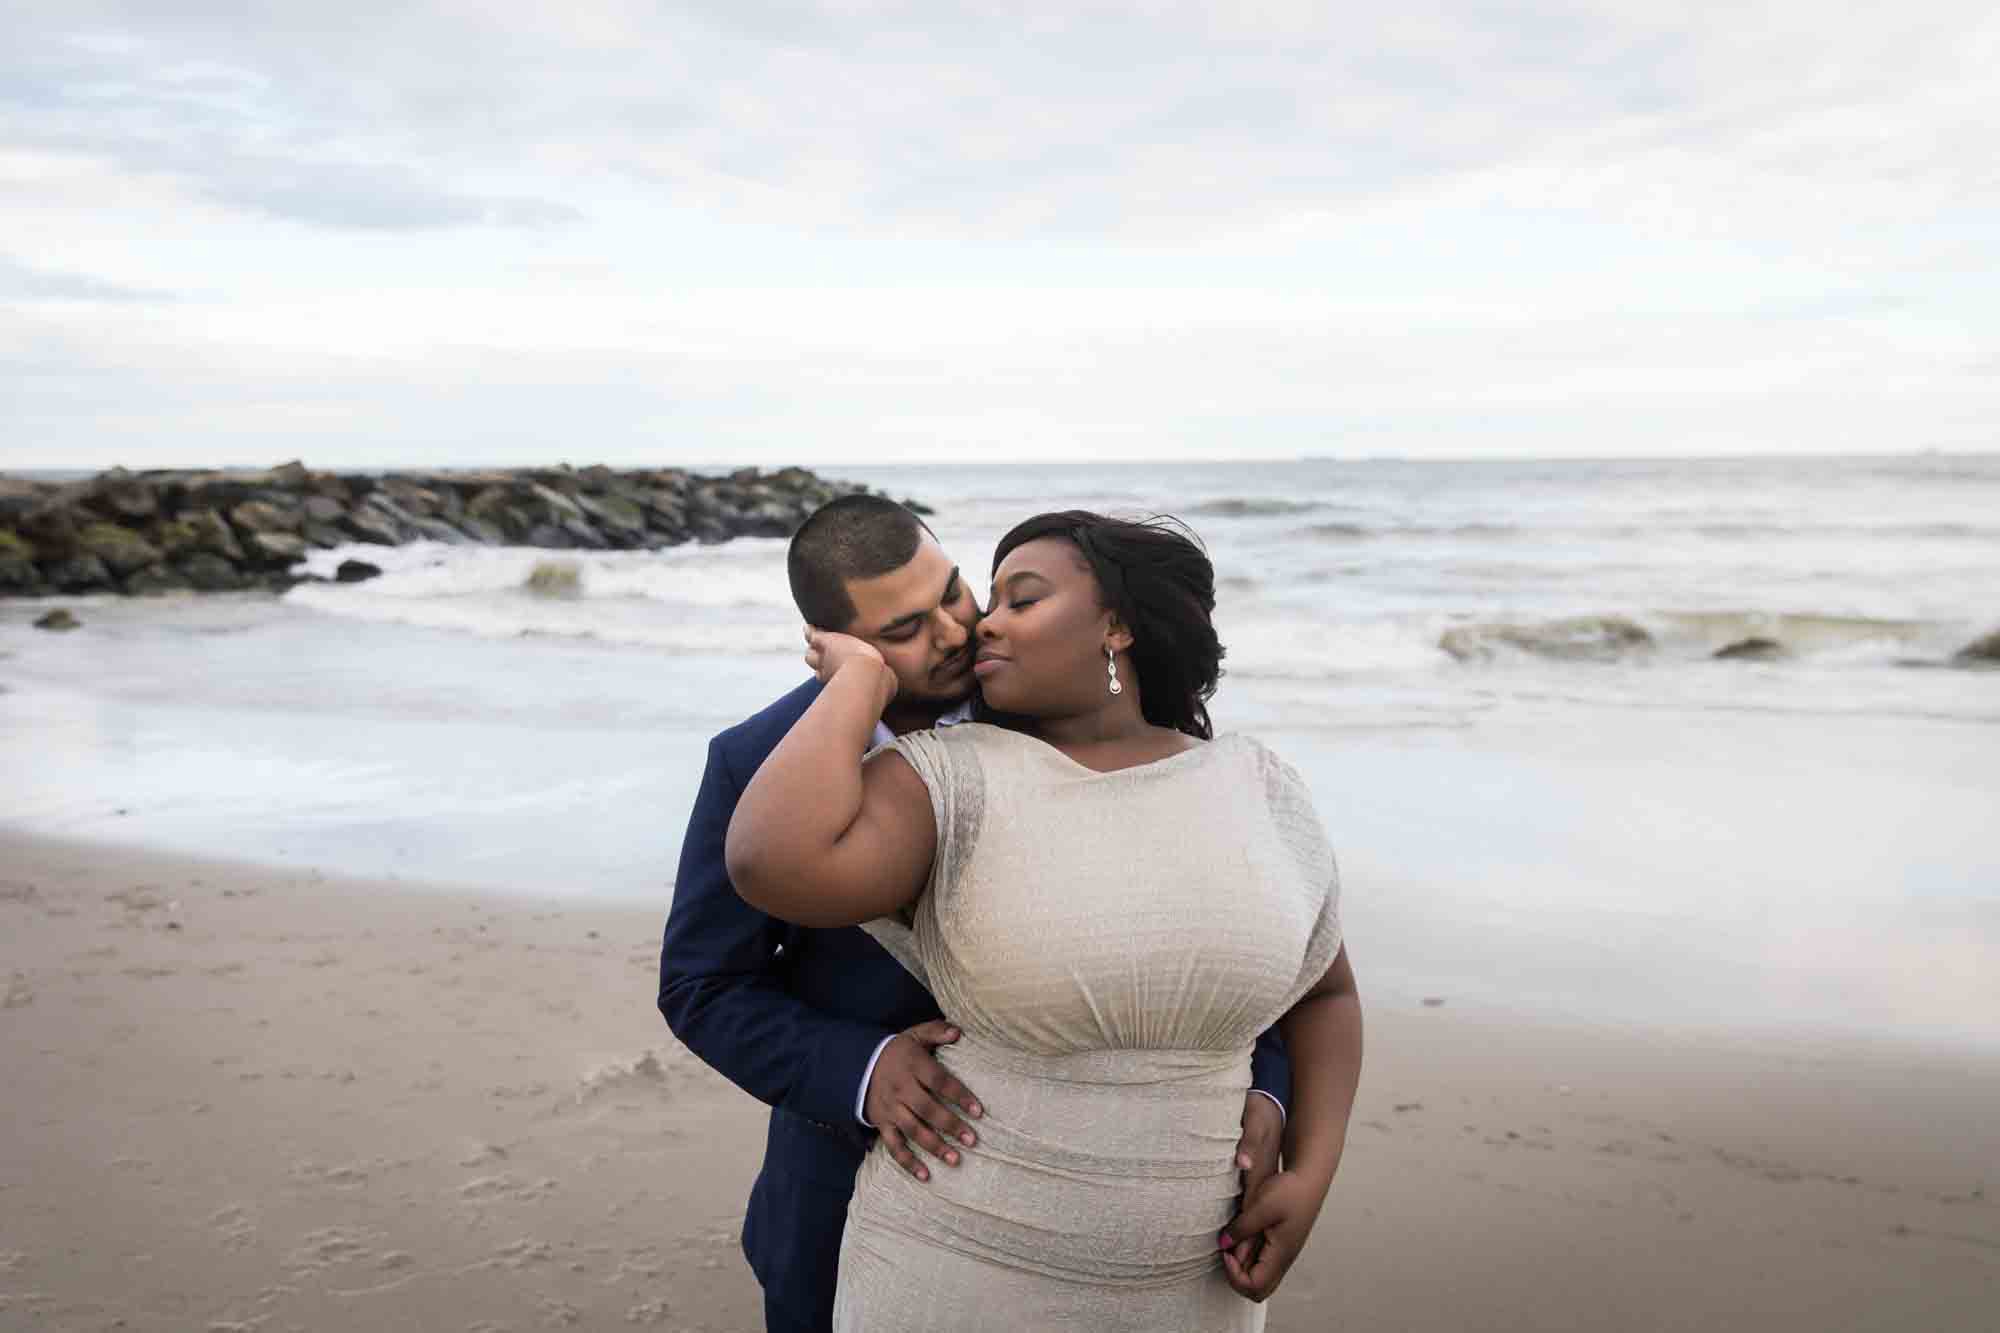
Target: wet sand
[{"x": 241, "y": 1098}]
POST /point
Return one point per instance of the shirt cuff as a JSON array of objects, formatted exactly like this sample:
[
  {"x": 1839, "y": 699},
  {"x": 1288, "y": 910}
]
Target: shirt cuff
[
  {"x": 1282, "y": 1117},
  {"x": 861, "y": 1093}
]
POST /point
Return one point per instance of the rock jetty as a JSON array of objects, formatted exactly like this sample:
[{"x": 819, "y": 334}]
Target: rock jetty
[{"x": 170, "y": 531}]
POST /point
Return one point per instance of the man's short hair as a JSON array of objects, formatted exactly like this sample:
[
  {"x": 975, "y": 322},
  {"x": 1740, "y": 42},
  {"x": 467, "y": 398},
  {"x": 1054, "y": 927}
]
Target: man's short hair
[{"x": 853, "y": 537}]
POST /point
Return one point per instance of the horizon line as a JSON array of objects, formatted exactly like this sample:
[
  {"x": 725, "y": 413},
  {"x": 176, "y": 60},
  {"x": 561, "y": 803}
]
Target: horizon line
[{"x": 22, "y": 470}]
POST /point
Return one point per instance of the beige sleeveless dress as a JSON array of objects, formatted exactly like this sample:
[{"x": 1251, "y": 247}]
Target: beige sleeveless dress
[{"x": 1110, "y": 945}]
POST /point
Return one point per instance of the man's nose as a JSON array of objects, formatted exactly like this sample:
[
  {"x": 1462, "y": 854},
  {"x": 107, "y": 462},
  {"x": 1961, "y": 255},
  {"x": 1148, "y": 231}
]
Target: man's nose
[{"x": 950, "y": 633}]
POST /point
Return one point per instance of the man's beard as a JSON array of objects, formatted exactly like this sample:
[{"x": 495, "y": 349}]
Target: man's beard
[{"x": 949, "y": 682}]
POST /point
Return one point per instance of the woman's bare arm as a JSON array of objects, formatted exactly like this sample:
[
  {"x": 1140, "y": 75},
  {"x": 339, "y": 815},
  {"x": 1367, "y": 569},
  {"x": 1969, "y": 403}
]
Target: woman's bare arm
[
  {"x": 1323, "y": 1035},
  {"x": 818, "y": 838}
]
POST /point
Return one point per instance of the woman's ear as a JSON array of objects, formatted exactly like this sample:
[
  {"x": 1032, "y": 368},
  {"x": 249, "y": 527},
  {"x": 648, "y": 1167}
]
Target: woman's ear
[{"x": 1116, "y": 637}]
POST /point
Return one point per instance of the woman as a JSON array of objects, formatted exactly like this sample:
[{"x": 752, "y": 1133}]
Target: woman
[{"x": 1110, "y": 905}]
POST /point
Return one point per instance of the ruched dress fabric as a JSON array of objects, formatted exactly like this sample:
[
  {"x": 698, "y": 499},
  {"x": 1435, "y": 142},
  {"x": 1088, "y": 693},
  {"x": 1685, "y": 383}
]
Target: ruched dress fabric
[{"x": 1110, "y": 945}]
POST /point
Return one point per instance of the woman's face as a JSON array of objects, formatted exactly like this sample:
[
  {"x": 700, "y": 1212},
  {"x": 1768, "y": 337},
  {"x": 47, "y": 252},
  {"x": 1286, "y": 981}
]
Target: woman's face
[{"x": 1042, "y": 641}]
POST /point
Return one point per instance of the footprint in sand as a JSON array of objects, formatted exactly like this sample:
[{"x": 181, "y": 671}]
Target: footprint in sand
[
  {"x": 233, "y": 1226},
  {"x": 635, "y": 1084},
  {"x": 503, "y": 1188},
  {"x": 525, "y": 1254},
  {"x": 633, "y": 1270},
  {"x": 326, "y": 1248},
  {"x": 19, "y": 993},
  {"x": 558, "y": 1314},
  {"x": 14, "y": 891},
  {"x": 339, "y": 1177},
  {"x": 139, "y": 899}
]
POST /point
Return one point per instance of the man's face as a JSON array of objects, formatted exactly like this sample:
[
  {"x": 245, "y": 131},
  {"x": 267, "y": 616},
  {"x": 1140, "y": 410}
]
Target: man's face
[{"x": 920, "y": 619}]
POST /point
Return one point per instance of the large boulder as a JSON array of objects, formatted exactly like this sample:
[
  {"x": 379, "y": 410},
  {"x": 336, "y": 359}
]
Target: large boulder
[
  {"x": 545, "y": 505},
  {"x": 196, "y": 530},
  {"x": 253, "y": 516},
  {"x": 155, "y": 580},
  {"x": 322, "y": 509},
  {"x": 121, "y": 550},
  {"x": 124, "y": 501},
  {"x": 327, "y": 486},
  {"x": 291, "y": 476},
  {"x": 19, "y": 576},
  {"x": 549, "y": 537},
  {"x": 51, "y": 530},
  {"x": 325, "y": 536},
  {"x": 481, "y": 531},
  {"x": 621, "y": 520},
  {"x": 494, "y": 506},
  {"x": 769, "y": 519},
  {"x": 77, "y": 573},
  {"x": 673, "y": 480},
  {"x": 369, "y": 524},
  {"x": 708, "y": 530},
  {"x": 206, "y": 571},
  {"x": 581, "y": 534},
  {"x": 437, "y": 530},
  {"x": 275, "y": 550},
  {"x": 19, "y": 498},
  {"x": 1982, "y": 651},
  {"x": 414, "y": 500},
  {"x": 217, "y": 491}
]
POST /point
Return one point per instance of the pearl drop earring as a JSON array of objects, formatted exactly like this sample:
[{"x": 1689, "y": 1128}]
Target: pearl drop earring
[{"x": 1111, "y": 665}]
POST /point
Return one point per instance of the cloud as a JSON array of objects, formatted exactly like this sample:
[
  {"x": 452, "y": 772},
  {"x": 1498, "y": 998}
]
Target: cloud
[
  {"x": 239, "y": 127},
  {"x": 333, "y": 194},
  {"x": 20, "y": 281},
  {"x": 869, "y": 226},
  {"x": 1055, "y": 119}
]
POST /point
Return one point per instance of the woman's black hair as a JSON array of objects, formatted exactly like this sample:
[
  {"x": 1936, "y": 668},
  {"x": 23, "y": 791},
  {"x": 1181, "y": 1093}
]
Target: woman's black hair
[{"x": 1155, "y": 575}]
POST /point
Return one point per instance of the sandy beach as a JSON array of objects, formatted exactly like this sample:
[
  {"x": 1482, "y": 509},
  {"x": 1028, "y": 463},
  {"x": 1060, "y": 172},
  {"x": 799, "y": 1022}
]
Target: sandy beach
[{"x": 245, "y": 1099}]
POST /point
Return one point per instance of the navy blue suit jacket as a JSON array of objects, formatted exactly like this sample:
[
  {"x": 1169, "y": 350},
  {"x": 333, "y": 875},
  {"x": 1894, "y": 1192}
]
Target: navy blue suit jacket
[{"x": 792, "y": 1016}]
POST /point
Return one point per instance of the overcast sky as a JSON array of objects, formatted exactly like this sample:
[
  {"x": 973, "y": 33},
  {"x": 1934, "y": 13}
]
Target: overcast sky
[{"x": 369, "y": 233}]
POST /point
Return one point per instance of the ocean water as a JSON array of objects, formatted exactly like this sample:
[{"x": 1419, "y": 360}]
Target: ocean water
[{"x": 1499, "y": 677}]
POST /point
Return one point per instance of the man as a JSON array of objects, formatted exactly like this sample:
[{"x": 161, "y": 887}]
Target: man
[{"x": 823, "y": 1025}]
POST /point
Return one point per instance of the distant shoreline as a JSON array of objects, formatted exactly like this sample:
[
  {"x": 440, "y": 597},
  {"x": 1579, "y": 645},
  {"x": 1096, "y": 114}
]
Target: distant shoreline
[{"x": 715, "y": 469}]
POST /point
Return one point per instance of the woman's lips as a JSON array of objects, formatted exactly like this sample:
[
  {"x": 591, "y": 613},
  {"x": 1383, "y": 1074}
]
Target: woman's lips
[{"x": 985, "y": 666}]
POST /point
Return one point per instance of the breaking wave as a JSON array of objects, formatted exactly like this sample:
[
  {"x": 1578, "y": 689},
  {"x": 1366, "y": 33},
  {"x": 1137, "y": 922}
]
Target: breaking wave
[{"x": 1253, "y": 507}]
